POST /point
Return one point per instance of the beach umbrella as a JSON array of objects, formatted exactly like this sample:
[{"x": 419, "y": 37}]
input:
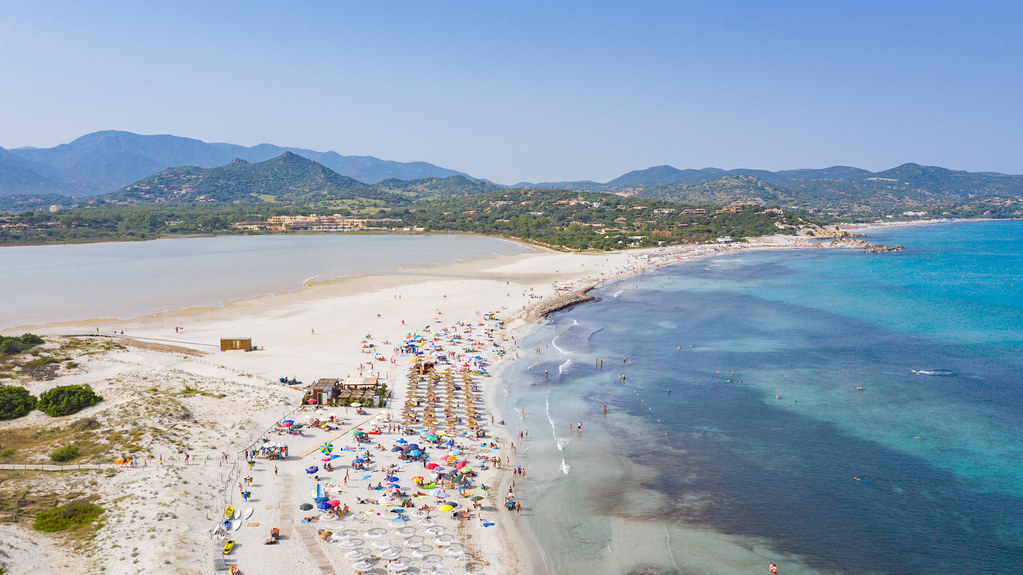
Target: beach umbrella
[
  {"x": 415, "y": 453},
  {"x": 305, "y": 506},
  {"x": 287, "y": 423},
  {"x": 417, "y": 478},
  {"x": 461, "y": 464},
  {"x": 477, "y": 498},
  {"x": 325, "y": 459},
  {"x": 402, "y": 441},
  {"x": 392, "y": 479},
  {"x": 432, "y": 466},
  {"x": 395, "y": 448},
  {"x": 334, "y": 502},
  {"x": 358, "y": 433},
  {"x": 358, "y": 460},
  {"x": 446, "y": 508},
  {"x": 311, "y": 469},
  {"x": 326, "y": 448}
]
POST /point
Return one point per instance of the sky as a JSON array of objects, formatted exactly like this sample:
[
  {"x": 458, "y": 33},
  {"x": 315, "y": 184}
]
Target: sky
[{"x": 532, "y": 91}]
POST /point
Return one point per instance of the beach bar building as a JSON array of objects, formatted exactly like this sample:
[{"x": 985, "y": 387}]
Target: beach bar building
[
  {"x": 236, "y": 343},
  {"x": 331, "y": 391}
]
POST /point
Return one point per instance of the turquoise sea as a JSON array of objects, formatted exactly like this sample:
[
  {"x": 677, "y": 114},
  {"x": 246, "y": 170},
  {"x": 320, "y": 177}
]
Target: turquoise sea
[
  {"x": 42, "y": 284},
  {"x": 766, "y": 449}
]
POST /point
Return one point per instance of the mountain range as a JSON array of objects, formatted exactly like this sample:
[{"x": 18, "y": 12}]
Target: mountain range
[
  {"x": 107, "y": 161},
  {"x": 122, "y": 167}
]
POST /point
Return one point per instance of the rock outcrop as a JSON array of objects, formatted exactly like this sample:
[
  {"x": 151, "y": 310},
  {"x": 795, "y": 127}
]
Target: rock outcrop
[{"x": 868, "y": 247}]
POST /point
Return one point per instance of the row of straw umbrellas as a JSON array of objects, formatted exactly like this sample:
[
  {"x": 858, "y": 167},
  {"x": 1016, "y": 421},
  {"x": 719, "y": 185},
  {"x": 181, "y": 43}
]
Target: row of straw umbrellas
[{"x": 437, "y": 392}]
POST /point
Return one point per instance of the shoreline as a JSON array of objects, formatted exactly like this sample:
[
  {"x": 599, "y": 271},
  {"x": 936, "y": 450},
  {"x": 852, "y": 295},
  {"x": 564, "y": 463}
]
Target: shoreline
[{"x": 280, "y": 324}]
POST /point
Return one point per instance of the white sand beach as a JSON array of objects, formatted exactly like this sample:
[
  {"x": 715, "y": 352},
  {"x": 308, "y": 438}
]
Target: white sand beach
[{"x": 169, "y": 391}]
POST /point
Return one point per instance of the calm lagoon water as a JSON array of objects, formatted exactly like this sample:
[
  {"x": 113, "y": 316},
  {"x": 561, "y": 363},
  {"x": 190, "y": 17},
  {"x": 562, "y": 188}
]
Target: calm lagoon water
[
  {"x": 42, "y": 284},
  {"x": 785, "y": 460}
]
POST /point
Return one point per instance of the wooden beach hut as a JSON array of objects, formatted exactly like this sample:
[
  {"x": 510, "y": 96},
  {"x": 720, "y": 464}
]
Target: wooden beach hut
[{"x": 236, "y": 343}]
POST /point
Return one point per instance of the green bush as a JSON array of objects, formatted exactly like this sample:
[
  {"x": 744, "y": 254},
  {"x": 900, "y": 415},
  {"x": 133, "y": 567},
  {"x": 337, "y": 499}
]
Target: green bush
[
  {"x": 10, "y": 346},
  {"x": 67, "y": 399},
  {"x": 31, "y": 339},
  {"x": 71, "y": 516},
  {"x": 66, "y": 453},
  {"x": 15, "y": 402},
  {"x": 13, "y": 345}
]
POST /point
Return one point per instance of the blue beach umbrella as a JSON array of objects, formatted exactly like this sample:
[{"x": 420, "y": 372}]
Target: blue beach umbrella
[
  {"x": 392, "y": 479},
  {"x": 323, "y": 506},
  {"x": 311, "y": 469},
  {"x": 402, "y": 441},
  {"x": 415, "y": 453}
]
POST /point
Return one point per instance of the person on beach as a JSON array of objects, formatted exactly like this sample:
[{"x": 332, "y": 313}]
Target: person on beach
[
  {"x": 605, "y": 409},
  {"x": 773, "y": 568}
]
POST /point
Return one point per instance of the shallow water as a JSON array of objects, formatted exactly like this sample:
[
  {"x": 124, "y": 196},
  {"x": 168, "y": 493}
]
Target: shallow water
[
  {"x": 44, "y": 284},
  {"x": 918, "y": 472}
]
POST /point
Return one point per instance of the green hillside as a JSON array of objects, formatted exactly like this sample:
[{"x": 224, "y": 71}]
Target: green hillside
[
  {"x": 435, "y": 188},
  {"x": 583, "y": 220},
  {"x": 288, "y": 178}
]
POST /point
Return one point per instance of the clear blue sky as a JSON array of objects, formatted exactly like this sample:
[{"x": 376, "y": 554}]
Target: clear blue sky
[{"x": 538, "y": 91}]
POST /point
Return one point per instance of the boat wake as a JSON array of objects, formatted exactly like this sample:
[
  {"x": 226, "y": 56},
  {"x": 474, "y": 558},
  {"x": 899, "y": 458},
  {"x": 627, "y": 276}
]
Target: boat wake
[{"x": 934, "y": 372}]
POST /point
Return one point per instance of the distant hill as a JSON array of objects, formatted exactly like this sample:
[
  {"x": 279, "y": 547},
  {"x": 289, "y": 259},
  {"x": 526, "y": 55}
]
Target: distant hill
[
  {"x": 664, "y": 175},
  {"x": 288, "y": 178},
  {"x": 721, "y": 191},
  {"x": 20, "y": 176},
  {"x": 373, "y": 170},
  {"x": 109, "y": 160},
  {"x": 435, "y": 188}
]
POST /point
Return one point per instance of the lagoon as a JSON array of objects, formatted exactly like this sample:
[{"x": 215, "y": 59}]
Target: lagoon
[{"x": 44, "y": 284}]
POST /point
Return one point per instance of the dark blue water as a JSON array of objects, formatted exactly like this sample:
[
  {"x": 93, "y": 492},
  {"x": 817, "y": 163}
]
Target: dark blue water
[{"x": 766, "y": 449}]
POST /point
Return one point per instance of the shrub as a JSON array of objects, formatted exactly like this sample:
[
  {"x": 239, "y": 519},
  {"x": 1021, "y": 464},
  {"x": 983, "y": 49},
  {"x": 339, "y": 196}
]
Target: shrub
[
  {"x": 66, "y": 453},
  {"x": 10, "y": 346},
  {"x": 31, "y": 339},
  {"x": 15, "y": 402},
  {"x": 67, "y": 399},
  {"x": 71, "y": 516},
  {"x": 13, "y": 345}
]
